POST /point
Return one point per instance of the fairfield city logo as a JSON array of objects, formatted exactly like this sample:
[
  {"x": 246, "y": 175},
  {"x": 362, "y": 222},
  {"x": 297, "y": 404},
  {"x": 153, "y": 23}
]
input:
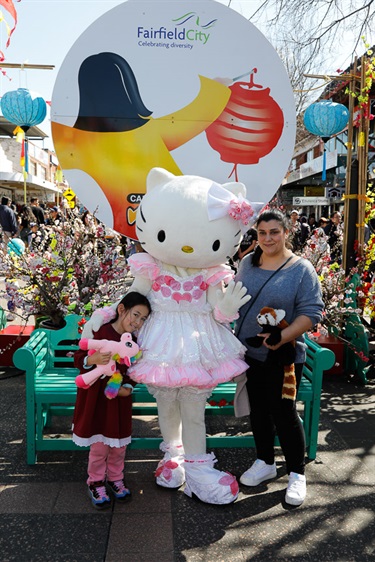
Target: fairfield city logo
[{"x": 187, "y": 28}]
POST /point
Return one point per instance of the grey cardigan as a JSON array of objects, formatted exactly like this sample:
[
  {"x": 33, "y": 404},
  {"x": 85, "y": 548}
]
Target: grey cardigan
[{"x": 295, "y": 289}]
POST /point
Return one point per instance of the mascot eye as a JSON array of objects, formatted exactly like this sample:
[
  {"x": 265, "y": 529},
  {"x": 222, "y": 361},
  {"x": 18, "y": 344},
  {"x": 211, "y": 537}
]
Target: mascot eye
[
  {"x": 161, "y": 235},
  {"x": 216, "y": 245},
  {"x": 129, "y": 344}
]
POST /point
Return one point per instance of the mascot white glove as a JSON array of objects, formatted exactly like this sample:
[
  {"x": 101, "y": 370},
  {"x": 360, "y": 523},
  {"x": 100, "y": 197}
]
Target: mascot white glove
[{"x": 229, "y": 302}]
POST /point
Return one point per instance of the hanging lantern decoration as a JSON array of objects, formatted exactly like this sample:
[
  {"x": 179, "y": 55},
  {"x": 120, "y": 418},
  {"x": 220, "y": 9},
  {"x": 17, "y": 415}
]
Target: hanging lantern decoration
[
  {"x": 325, "y": 119},
  {"x": 25, "y": 111},
  {"x": 20, "y": 108},
  {"x": 250, "y": 126}
]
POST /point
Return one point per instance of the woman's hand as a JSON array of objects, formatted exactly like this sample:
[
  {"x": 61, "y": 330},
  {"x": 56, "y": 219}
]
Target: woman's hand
[
  {"x": 273, "y": 347},
  {"x": 298, "y": 327}
]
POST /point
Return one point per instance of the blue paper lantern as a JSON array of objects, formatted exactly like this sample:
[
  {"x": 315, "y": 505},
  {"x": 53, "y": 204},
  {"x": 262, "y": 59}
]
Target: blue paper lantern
[
  {"x": 22, "y": 109},
  {"x": 324, "y": 119},
  {"x": 16, "y": 246}
]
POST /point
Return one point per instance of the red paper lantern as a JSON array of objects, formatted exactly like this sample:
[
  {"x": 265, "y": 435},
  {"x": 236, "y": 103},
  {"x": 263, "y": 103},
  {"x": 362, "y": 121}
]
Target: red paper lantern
[{"x": 250, "y": 126}]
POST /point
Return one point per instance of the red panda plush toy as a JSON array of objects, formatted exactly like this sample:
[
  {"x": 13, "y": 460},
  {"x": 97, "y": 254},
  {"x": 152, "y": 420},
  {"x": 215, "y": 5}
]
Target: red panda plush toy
[{"x": 272, "y": 322}]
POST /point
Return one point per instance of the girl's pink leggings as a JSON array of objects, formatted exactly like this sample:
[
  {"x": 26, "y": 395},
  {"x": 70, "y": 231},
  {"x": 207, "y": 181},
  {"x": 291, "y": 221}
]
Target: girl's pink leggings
[{"x": 105, "y": 462}]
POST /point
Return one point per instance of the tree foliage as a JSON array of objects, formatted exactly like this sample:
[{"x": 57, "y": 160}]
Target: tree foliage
[
  {"x": 319, "y": 24},
  {"x": 306, "y": 34}
]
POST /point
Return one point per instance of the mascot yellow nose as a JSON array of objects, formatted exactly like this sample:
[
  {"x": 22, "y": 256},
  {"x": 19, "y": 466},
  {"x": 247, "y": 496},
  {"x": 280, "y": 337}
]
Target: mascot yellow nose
[{"x": 187, "y": 249}]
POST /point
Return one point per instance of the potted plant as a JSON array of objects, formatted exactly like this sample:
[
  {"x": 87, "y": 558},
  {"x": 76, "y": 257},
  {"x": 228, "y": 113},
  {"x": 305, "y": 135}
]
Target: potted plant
[
  {"x": 70, "y": 267},
  {"x": 344, "y": 296}
]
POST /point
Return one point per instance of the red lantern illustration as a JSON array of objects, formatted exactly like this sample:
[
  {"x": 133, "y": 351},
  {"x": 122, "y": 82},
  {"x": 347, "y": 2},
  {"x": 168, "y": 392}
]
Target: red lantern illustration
[{"x": 250, "y": 126}]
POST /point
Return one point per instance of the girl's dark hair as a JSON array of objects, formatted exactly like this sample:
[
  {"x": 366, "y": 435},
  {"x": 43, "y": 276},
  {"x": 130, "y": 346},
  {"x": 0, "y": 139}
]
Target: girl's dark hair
[
  {"x": 267, "y": 216},
  {"x": 132, "y": 299}
]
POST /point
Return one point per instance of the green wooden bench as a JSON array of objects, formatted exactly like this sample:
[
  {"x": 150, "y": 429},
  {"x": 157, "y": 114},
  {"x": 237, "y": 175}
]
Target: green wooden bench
[{"x": 47, "y": 359}]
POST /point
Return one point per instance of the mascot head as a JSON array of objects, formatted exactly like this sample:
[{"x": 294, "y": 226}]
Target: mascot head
[{"x": 189, "y": 221}]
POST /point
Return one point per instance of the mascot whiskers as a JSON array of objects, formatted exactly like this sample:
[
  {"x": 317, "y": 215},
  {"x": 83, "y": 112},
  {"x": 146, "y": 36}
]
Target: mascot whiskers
[
  {"x": 188, "y": 226},
  {"x": 273, "y": 322}
]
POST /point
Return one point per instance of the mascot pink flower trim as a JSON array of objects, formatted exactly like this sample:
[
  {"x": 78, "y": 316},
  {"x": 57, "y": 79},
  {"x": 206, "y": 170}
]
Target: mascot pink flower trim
[{"x": 123, "y": 352}]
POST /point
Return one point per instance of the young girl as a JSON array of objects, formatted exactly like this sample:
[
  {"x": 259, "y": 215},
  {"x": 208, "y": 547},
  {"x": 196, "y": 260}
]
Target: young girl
[{"x": 105, "y": 425}]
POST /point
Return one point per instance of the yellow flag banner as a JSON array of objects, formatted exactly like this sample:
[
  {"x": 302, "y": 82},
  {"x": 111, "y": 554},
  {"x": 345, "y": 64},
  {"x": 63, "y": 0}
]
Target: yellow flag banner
[
  {"x": 360, "y": 197},
  {"x": 361, "y": 139}
]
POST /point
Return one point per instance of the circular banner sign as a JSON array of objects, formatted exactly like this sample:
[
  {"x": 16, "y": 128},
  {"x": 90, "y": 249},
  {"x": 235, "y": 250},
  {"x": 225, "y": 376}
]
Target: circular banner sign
[{"x": 191, "y": 87}]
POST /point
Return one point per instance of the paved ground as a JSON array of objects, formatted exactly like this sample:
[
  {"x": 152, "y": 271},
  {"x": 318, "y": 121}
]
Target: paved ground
[{"x": 46, "y": 516}]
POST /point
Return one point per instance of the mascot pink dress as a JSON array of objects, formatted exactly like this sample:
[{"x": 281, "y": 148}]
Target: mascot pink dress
[{"x": 188, "y": 226}]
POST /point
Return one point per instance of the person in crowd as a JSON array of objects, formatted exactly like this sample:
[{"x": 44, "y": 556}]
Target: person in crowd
[
  {"x": 13, "y": 206},
  {"x": 248, "y": 243},
  {"x": 105, "y": 425},
  {"x": 312, "y": 222},
  {"x": 305, "y": 231},
  {"x": 334, "y": 231},
  {"x": 295, "y": 231},
  {"x": 8, "y": 220},
  {"x": 86, "y": 218},
  {"x": 27, "y": 218},
  {"x": 275, "y": 277},
  {"x": 37, "y": 210},
  {"x": 55, "y": 216},
  {"x": 36, "y": 237}
]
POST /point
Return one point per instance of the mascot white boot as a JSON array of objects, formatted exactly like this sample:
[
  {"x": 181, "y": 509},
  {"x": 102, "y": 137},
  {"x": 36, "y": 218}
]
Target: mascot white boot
[{"x": 188, "y": 226}]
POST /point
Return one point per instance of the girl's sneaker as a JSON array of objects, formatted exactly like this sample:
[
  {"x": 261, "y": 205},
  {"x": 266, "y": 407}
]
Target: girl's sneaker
[
  {"x": 120, "y": 491},
  {"x": 98, "y": 494}
]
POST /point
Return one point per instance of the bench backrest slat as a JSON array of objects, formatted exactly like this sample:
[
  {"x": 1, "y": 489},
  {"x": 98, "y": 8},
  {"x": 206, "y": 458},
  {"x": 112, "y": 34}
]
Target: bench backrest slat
[
  {"x": 61, "y": 344},
  {"x": 318, "y": 360},
  {"x": 47, "y": 349}
]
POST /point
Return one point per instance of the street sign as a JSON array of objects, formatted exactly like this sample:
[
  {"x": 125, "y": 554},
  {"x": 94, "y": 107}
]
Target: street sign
[
  {"x": 69, "y": 194},
  {"x": 314, "y": 191},
  {"x": 334, "y": 192},
  {"x": 311, "y": 201}
]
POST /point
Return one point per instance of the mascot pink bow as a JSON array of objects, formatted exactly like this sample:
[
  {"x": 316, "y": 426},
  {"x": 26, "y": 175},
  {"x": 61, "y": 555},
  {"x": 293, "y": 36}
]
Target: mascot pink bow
[{"x": 221, "y": 202}]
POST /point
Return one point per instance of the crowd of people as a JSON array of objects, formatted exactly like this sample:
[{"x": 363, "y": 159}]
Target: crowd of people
[
  {"x": 30, "y": 223},
  {"x": 302, "y": 228},
  {"x": 24, "y": 221}
]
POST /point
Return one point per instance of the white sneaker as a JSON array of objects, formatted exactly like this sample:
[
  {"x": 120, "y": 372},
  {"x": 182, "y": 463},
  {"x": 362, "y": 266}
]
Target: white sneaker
[
  {"x": 296, "y": 491},
  {"x": 258, "y": 472}
]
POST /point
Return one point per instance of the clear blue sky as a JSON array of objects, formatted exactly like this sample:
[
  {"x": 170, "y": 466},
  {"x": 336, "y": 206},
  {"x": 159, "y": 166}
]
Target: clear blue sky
[{"x": 46, "y": 31}]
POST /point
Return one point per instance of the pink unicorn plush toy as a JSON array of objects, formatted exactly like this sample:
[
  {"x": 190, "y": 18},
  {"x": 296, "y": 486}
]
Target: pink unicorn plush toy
[{"x": 124, "y": 352}]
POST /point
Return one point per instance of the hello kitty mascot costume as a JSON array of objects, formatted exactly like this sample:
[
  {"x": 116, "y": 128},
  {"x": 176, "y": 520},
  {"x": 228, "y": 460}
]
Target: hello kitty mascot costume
[{"x": 188, "y": 226}]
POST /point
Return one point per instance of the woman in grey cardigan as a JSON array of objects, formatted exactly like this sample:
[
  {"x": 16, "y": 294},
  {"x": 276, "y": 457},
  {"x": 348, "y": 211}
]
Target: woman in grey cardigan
[{"x": 276, "y": 278}]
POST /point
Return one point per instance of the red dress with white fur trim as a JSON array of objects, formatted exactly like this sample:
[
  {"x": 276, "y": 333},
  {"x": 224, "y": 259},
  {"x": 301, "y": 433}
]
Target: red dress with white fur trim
[{"x": 182, "y": 343}]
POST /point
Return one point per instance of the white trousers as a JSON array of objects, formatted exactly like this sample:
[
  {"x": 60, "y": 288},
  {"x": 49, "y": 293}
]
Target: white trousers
[{"x": 182, "y": 416}]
